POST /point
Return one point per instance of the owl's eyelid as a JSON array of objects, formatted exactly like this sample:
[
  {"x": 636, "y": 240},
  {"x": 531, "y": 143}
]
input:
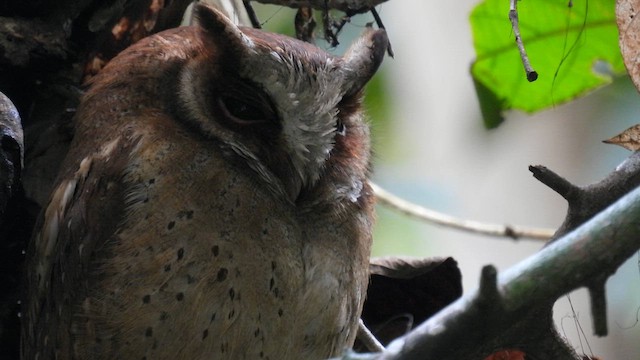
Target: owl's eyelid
[
  {"x": 247, "y": 91},
  {"x": 240, "y": 121}
]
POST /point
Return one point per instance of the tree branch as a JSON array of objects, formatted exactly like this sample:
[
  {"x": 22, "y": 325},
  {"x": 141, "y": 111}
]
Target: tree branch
[
  {"x": 368, "y": 339},
  {"x": 432, "y": 216},
  {"x": 586, "y": 201},
  {"x": 514, "y": 309},
  {"x": 348, "y": 6},
  {"x": 532, "y": 75},
  {"x": 556, "y": 182}
]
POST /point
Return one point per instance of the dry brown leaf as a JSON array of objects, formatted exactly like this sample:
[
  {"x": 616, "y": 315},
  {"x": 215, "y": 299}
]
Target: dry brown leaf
[
  {"x": 628, "y": 139},
  {"x": 629, "y": 30}
]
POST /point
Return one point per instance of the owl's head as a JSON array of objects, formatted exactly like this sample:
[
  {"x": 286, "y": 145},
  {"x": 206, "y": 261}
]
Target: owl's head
[{"x": 277, "y": 102}]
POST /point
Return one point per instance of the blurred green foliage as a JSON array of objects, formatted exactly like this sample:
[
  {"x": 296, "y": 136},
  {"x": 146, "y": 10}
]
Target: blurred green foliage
[{"x": 574, "y": 49}]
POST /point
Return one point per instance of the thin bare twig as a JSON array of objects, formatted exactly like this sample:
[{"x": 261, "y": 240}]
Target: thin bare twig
[
  {"x": 432, "y": 216},
  {"x": 368, "y": 339},
  {"x": 252, "y": 14},
  {"x": 350, "y": 6},
  {"x": 378, "y": 20},
  {"x": 532, "y": 75}
]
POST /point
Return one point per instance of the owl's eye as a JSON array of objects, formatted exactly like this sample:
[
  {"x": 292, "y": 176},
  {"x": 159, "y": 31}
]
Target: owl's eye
[{"x": 242, "y": 112}]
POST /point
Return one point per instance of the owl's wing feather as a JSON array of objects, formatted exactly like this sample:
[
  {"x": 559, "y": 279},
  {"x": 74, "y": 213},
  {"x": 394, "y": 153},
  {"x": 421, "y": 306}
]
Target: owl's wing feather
[{"x": 83, "y": 213}]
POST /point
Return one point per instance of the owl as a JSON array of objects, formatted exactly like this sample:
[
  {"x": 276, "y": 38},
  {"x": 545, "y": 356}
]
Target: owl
[{"x": 214, "y": 203}]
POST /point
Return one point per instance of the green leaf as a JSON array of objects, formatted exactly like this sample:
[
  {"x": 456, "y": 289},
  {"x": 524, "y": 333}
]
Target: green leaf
[
  {"x": 490, "y": 105},
  {"x": 573, "y": 49}
]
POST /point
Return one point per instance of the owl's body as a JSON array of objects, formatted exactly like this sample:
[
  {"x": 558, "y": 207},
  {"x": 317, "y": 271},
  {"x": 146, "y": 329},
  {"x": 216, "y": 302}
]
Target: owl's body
[{"x": 214, "y": 204}]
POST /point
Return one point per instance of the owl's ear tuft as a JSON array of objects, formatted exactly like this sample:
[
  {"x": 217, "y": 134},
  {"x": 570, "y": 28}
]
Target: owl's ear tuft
[
  {"x": 220, "y": 28},
  {"x": 363, "y": 59}
]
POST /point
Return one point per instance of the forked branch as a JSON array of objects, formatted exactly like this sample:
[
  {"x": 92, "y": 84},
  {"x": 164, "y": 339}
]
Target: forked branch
[{"x": 513, "y": 310}]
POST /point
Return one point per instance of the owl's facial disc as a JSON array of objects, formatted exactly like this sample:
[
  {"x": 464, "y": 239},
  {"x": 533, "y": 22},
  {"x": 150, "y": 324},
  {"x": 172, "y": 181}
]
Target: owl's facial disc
[{"x": 304, "y": 85}]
